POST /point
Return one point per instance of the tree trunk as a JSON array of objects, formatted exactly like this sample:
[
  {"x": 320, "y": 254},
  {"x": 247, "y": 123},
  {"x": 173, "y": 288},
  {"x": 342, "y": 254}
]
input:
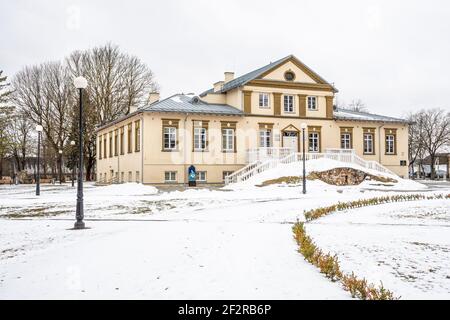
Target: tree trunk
[
  {"x": 89, "y": 167},
  {"x": 61, "y": 175},
  {"x": 18, "y": 162},
  {"x": 412, "y": 171},
  {"x": 432, "y": 171}
]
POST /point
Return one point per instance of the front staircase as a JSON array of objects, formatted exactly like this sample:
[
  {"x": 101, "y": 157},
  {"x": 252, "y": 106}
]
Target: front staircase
[{"x": 273, "y": 159}]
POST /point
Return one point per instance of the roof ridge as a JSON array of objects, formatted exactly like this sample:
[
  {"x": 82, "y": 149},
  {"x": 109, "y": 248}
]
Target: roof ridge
[{"x": 254, "y": 74}]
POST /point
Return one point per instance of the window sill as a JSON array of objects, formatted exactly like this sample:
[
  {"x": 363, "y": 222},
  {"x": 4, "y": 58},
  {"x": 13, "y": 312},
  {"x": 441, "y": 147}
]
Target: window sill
[
  {"x": 313, "y": 109},
  {"x": 369, "y": 154},
  {"x": 199, "y": 150},
  {"x": 229, "y": 151},
  {"x": 170, "y": 150}
]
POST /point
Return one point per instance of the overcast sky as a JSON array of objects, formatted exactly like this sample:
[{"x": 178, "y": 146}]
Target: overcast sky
[{"x": 394, "y": 55}]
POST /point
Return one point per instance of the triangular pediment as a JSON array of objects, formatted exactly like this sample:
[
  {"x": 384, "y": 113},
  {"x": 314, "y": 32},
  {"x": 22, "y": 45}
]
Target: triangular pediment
[
  {"x": 290, "y": 128},
  {"x": 302, "y": 73}
]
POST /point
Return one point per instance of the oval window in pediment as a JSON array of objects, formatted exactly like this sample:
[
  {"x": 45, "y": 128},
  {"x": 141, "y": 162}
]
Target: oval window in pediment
[{"x": 289, "y": 75}]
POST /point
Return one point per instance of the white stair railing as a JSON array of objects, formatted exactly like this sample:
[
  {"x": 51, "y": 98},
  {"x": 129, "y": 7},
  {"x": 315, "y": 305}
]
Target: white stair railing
[{"x": 349, "y": 156}]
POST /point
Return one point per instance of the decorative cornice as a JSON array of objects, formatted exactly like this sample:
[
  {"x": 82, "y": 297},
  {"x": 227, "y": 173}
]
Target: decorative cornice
[{"x": 291, "y": 85}]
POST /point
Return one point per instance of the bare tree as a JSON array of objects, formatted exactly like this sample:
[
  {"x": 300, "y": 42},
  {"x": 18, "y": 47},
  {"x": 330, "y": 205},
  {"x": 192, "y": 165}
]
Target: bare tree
[
  {"x": 43, "y": 93},
  {"x": 416, "y": 148},
  {"x": 22, "y": 139},
  {"x": 357, "y": 105},
  {"x": 436, "y": 133},
  {"x": 46, "y": 95},
  {"x": 116, "y": 82},
  {"x": 5, "y": 119}
]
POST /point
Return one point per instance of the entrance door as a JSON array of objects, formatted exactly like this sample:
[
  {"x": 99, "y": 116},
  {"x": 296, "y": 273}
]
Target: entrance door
[{"x": 290, "y": 140}]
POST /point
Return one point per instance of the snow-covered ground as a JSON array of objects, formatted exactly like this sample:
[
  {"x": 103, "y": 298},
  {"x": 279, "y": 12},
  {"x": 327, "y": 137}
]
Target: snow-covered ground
[
  {"x": 406, "y": 245},
  {"x": 193, "y": 244},
  {"x": 293, "y": 169}
]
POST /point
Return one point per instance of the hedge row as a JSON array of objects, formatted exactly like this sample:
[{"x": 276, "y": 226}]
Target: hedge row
[
  {"x": 341, "y": 206},
  {"x": 329, "y": 264}
]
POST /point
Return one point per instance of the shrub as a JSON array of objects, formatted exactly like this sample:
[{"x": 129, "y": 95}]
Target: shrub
[
  {"x": 341, "y": 206},
  {"x": 329, "y": 264}
]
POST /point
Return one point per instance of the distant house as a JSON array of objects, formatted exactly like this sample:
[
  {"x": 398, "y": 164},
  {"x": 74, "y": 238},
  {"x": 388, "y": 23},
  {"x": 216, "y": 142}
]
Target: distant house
[
  {"x": 225, "y": 128},
  {"x": 441, "y": 165}
]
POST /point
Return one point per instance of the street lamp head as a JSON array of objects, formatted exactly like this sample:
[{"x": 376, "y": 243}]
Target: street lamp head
[
  {"x": 303, "y": 125},
  {"x": 39, "y": 128},
  {"x": 60, "y": 151},
  {"x": 72, "y": 143},
  {"x": 80, "y": 83}
]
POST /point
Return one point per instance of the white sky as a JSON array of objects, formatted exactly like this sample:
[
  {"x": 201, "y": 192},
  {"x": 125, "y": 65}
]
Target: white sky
[{"x": 394, "y": 55}]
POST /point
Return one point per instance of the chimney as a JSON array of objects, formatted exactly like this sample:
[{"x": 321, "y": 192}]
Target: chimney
[
  {"x": 228, "y": 76},
  {"x": 132, "y": 109},
  {"x": 153, "y": 97},
  {"x": 218, "y": 86}
]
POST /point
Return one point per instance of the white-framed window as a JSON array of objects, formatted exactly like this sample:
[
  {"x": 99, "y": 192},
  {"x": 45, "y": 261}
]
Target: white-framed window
[
  {"x": 265, "y": 138},
  {"x": 170, "y": 138},
  {"x": 226, "y": 174},
  {"x": 201, "y": 176},
  {"x": 228, "y": 140},
  {"x": 122, "y": 177},
  {"x": 346, "y": 141},
  {"x": 170, "y": 176},
  {"x": 390, "y": 144},
  {"x": 130, "y": 176},
  {"x": 368, "y": 143},
  {"x": 264, "y": 100},
  {"x": 313, "y": 145},
  {"x": 199, "y": 138},
  {"x": 312, "y": 103},
  {"x": 288, "y": 103}
]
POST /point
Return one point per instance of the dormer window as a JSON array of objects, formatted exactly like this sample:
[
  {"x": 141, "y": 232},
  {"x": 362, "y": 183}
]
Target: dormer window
[{"x": 289, "y": 76}]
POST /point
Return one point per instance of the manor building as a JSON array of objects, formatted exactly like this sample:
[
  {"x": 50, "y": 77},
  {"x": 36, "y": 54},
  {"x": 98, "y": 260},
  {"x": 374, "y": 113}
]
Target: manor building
[{"x": 240, "y": 121}]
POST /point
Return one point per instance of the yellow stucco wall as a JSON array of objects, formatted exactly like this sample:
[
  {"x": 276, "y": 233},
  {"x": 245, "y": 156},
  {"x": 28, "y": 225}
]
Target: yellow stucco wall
[
  {"x": 321, "y": 103},
  {"x": 214, "y": 161},
  {"x": 152, "y": 161}
]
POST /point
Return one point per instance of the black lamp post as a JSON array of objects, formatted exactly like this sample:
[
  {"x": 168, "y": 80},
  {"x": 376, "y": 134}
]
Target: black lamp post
[
  {"x": 72, "y": 143},
  {"x": 38, "y": 174},
  {"x": 303, "y": 126},
  {"x": 80, "y": 84}
]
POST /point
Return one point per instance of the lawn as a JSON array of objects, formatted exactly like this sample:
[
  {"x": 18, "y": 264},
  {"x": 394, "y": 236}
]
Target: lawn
[{"x": 202, "y": 243}]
